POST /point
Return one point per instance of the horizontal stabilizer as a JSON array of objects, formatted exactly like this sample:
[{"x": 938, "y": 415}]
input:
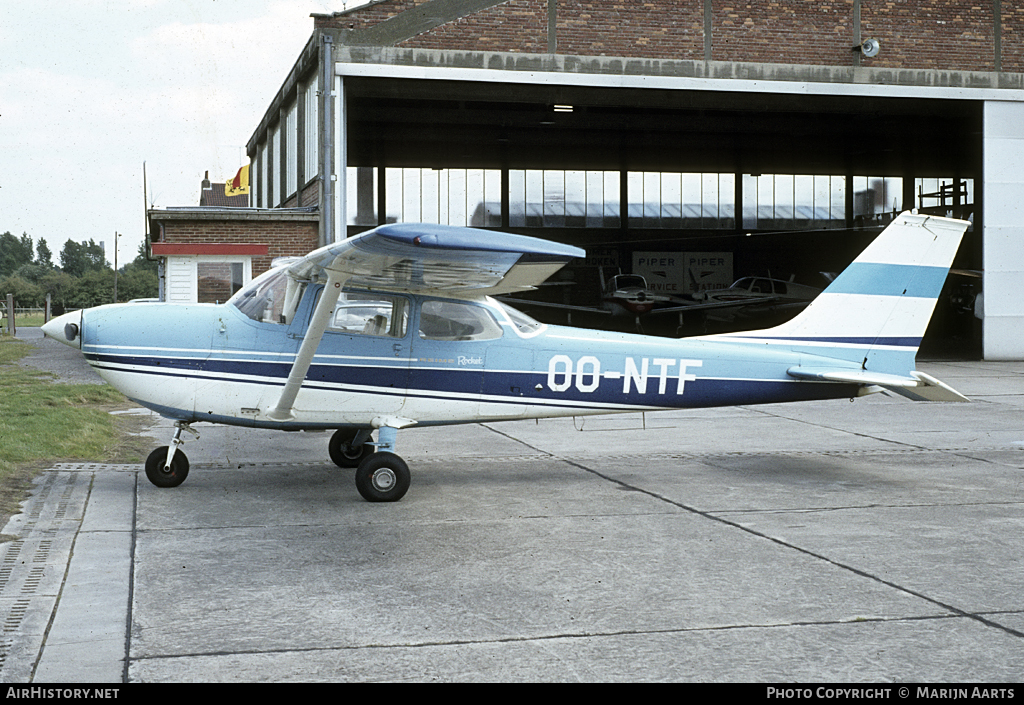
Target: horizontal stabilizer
[{"x": 918, "y": 386}]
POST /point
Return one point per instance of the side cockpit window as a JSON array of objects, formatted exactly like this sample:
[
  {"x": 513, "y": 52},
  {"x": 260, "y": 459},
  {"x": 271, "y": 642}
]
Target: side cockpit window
[
  {"x": 370, "y": 314},
  {"x": 452, "y": 320}
]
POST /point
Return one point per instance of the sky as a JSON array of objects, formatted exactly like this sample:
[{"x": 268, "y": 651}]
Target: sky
[{"x": 92, "y": 89}]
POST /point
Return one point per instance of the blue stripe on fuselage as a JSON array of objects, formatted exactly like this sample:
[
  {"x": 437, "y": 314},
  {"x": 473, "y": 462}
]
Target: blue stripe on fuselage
[{"x": 503, "y": 387}]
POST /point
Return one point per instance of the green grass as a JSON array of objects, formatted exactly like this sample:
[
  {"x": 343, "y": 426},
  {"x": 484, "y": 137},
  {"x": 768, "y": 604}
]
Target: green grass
[
  {"x": 42, "y": 421},
  {"x": 33, "y": 321}
]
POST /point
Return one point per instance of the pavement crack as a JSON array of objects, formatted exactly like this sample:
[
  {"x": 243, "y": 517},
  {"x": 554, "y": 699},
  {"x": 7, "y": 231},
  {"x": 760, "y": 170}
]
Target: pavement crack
[
  {"x": 538, "y": 638},
  {"x": 792, "y": 546}
]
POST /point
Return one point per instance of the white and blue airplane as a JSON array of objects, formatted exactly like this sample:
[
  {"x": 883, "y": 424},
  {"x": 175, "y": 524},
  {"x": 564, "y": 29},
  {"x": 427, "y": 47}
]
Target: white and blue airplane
[{"x": 400, "y": 327}]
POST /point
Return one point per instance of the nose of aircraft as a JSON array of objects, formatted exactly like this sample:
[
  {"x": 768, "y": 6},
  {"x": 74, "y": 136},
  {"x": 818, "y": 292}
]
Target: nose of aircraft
[{"x": 66, "y": 329}]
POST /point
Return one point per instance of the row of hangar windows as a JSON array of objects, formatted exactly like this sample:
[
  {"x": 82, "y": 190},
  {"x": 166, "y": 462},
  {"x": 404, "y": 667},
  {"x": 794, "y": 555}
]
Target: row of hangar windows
[
  {"x": 546, "y": 198},
  {"x": 666, "y": 200},
  {"x": 554, "y": 198}
]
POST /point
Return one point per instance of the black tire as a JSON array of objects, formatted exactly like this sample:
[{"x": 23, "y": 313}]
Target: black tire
[
  {"x": 341, "y": 451},
  {"x": 155, "y": 468},
  {"x": 383, "y": 477}
]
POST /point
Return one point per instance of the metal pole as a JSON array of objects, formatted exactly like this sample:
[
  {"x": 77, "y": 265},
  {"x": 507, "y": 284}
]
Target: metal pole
[
  {"x": 115, "y": 265},
  {"x": 327, "y": 204}
]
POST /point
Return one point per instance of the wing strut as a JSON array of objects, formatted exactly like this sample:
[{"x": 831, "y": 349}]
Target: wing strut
[{"x": 310, "y": 342}]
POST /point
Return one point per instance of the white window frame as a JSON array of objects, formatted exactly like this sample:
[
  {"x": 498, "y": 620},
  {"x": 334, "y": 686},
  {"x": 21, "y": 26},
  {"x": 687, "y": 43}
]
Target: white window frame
[
  {"x": 182, "y": 274},
  {"x": 291, "y": 129}
]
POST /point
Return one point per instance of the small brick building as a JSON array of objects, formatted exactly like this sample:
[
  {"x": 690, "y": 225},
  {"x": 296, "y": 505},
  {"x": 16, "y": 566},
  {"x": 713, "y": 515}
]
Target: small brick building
[{"x": 211, "y": 250}]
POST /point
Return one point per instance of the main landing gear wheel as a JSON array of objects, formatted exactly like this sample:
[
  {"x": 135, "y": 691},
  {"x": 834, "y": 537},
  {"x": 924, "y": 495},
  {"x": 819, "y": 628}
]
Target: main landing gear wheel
[
  {"x": 343, "y": 453},
  {"x": 382, "y": 477},
  {"x": 161, "y": 476}
]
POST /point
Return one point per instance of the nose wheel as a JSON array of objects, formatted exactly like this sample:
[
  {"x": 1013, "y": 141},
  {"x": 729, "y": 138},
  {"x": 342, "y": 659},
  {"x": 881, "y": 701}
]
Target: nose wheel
[
  {"x": 166, "y": 476},
  {"x": 167, "y": 466}
]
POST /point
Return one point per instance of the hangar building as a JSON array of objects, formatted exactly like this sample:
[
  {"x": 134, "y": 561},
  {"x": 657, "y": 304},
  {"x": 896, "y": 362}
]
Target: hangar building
[{"x": 693, "y": 141}]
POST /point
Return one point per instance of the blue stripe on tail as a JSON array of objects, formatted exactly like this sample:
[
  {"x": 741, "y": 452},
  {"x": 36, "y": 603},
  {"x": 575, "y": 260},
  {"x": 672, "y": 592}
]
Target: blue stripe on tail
[{"x": 890, "y": 280}]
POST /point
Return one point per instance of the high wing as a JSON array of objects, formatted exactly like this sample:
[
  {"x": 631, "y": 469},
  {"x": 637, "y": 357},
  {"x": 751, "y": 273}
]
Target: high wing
[
  {"x": 441, "y": 259},
  {"x": 420, "y": 258}
]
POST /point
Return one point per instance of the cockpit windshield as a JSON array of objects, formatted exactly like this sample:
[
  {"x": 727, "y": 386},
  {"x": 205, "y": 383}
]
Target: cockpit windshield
[
  {"x": 270, "y": 298},
  {"x": 628, "y": 281},
  {"x": 525, "y": 325}
]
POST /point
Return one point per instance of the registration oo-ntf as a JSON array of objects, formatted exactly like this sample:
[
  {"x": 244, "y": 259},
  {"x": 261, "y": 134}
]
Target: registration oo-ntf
[{"x": 400, "y": 327}]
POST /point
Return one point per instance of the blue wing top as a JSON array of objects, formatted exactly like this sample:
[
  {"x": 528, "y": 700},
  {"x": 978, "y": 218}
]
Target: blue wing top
[{"x": 439, "y": 258}]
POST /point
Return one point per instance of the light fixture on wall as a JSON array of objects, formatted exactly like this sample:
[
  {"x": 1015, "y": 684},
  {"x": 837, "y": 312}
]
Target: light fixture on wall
[
  {"x": 869, "y": 48},
  {"x": 562, "y": 108}
]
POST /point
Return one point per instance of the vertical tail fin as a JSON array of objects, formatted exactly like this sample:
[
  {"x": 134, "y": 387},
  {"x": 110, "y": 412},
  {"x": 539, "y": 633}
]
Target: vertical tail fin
[{"x": 876, "y": 312}]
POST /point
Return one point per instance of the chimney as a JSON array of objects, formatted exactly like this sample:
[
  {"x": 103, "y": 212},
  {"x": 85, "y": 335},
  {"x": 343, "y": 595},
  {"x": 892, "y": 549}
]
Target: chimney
[{"x": 207, "y": 191}]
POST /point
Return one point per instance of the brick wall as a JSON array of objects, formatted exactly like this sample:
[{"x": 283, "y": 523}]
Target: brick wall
[
  {"x": 915, "y": 34},
  {"x": 934, "y": 34},
  {"x": 310, "y": 195},
  {"x": 1013, "y": 36},
  {"x": 283, "y": 239},
  {"x": 366, "y": 16},
  {"x": 817, "y": 32},
  {"x": 516, "y": 26},
  {"x": 669, "y": 29}
]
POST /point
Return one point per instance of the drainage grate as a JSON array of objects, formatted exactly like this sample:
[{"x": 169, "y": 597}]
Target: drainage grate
[
  {"x": 15, "y": 615},
  {"x": 33, "y": 564},
  {"x": 31, "y": 584}
]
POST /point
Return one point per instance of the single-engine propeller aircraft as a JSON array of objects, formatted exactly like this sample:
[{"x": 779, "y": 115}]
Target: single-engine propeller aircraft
[
  {"x": 628, "y": 295},
  {"x": 747, "y": 298},
  {"x": 399, "y": 327},
  {"x": 623, "y": 296}
]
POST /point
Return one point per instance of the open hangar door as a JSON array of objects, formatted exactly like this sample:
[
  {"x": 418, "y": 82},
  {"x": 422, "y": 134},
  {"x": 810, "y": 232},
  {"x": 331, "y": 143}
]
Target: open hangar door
[{"x": 692, "y": 189}]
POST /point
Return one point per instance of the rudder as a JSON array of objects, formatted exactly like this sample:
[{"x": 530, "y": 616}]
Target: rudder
[{"x": 876, "y": 312}]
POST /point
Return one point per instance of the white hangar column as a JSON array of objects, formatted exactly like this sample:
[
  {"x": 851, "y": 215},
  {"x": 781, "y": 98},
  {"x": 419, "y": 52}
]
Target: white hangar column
[
  {"x": 1003, "y": 235},
  {"x": 333, "y": 148},
  {"x": 340, "y": 161}
]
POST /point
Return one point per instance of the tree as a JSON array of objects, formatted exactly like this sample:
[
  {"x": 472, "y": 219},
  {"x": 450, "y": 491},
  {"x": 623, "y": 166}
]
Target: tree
[
  {"x": 32, "y": 272},
  {"x": 141, "y": 262},
  {"x": 78, "y": 258},
  {"x": 61, "y": 286},
  {"x": 138, "y": 279},
  {"x": 14, "y": 252},
  {"x": 93, "y": 288},
  {"x": 137, "y": 283},
  {"x": 26, "y": 294},
  {"x": 44, "y": 257}
]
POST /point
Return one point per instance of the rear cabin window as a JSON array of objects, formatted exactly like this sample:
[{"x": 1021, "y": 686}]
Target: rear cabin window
[
  {"x": 451, "y": 320},
  {"x": 370, "y": 314}
]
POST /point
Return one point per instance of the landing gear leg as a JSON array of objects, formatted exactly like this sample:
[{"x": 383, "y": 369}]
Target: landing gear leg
[
  {"x": 383, "y": 476},
  {"x": 167, "y": 466}
]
